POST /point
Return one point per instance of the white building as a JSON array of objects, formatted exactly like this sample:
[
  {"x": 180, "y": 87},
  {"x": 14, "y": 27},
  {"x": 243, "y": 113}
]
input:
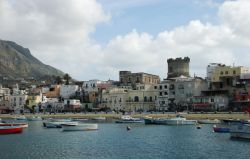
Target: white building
[
  {"x": 17, "y": 102},
  {"x": 91, "y": 85},
  {"x": 68, "y": 90},
  {"x": 114, "y": 98},
  {"x": 141, "y": 99},
  {"x": 71, "y": 104},
  {"x": 162, "y": 96}
]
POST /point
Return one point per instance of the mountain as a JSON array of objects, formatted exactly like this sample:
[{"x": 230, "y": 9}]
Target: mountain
[{"x": 17, "y": 61}]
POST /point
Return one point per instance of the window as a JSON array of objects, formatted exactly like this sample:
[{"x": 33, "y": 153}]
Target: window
[
  {"x": 180, "y": 86},
  {"x": 212, "y": 100},
  {"x": 221, "y": 72},
  {"x": 234, "y": 72},
  {"x": 160, "y": 94},
  {"x": 165, "y": 86},
  {"x": 226, "y": 72},
  {"x": 150, "y": 99},
  {"x": 145, "y": 99},
  {"x": 165, "y": 93},
  {"x": 137, "y": 80},
  {"x": 136, "y": 99},
  {"x": 160, "y": 87},
  {"x": 155, "y": 87}
]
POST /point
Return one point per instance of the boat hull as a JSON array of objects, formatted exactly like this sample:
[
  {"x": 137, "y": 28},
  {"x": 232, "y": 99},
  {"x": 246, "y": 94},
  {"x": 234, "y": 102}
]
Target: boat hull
[
  {"x": 23, "y": 125},
  {"x": 180, "y": 122},
  {"x": 57, "y": 124},
  {"x": 128, "y": 121},
  {"x": 171, "y": 121},
  {"x": 10, "y": 129},
  {"x": 207, "y": 121},
  {"x": 240, "y": 131},
  {"x": 221, "y": 128},
  {"x": 80, "y": 127}
]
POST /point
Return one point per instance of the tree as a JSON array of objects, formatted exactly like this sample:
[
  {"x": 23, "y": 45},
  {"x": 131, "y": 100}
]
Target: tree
[
  {"x": 67, "y": 78},
  {"x": 58, "y": 80}
]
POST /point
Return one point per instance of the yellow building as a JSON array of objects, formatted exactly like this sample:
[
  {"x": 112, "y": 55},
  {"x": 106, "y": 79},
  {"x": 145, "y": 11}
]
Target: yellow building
[
  {"x": 227, "y": 71},
  {"x": 34, "y": 100}
]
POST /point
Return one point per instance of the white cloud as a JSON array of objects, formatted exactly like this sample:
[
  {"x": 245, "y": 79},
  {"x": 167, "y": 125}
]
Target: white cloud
[{"x": 58, "y": 33}]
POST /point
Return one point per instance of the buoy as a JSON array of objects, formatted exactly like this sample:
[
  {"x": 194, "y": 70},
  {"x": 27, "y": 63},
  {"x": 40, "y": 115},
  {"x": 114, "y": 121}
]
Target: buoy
[{"x": 128, "y": 128}]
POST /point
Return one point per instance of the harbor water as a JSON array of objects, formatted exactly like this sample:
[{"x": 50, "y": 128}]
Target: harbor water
[{"x": 113, "y": 141}]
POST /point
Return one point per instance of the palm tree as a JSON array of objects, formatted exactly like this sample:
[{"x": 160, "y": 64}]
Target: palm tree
[{"x": 67, "y": 78}]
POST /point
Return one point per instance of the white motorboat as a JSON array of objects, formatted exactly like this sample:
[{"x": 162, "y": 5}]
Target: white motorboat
[
  {"x": 79, "y": 127},
  {"x": 241, "y": 130},
  {"x": 209, "y": 121},
  {"x": 35, "y": 118},
  {"x": 129, "y": 119},
  {"x": 20, "y": 117},
  {"x": 179, "y": 120},
  {"x": 99, "y": 118},
  {"x": 57, "y": 124}
]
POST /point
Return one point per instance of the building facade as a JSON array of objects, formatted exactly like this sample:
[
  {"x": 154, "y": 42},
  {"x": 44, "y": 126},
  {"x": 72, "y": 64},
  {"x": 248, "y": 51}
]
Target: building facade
[
  {"x": 128, "y": 78},
  {"x": 68, "y": 90}
]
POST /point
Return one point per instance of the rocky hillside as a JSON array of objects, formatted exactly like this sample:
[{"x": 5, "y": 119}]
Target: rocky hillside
[{"x": 17, "y": 61}]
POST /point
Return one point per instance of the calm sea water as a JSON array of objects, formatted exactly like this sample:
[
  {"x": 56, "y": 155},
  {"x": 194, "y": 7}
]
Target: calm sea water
[{"x": 113, "y": 141}]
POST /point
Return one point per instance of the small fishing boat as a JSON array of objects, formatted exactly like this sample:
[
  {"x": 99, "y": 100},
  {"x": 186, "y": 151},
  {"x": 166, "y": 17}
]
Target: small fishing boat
[
  {"x": 241, "y": 130},
  {"x": 99, "y": 118},
  {"x": 179, "y": 120},
  {"x": 79, "y": 119},
  {"x": 155, "y": 121},
  {"x": 209, "y": 121},
  {"x": 20, "y": 117},
  {"x": 23, "y": 125},
  {"x": 79, "y": 127},
  {"x": 10, "y": 129},
  {"x": 221, "y": 128},
  {"x": 57, "y": 124},
  {"x": 34, "y": 118},
  {"x": 129, "y": 119}
]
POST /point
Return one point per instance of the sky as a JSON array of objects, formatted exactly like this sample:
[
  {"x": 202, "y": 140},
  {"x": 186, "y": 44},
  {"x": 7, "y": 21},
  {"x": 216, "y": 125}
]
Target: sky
[{"x": 95, "y": 39}]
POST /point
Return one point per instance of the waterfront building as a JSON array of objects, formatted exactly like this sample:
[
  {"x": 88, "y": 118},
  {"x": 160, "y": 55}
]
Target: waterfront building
[
  {"x": 126, "y": 78},
  {"x": 18, "y": 100},
  {"x": 68, "y": 90},
  {"x": 4, "y": 100},
  {"x": 92, "y": 85},
  {"x": 144, "y": 98},
  {"x": 72, "y": 104},
  {"x": 181, "y": 91},
  {"x": 210, "y": 103},
  {"x": 34, "y": 99},
  {"x": 51, "y": 92},
  {"x": 114, "y": 98},
  {"x": 162, "y": 96}
]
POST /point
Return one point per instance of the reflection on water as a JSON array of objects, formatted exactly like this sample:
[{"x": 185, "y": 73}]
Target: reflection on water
[{"x": 113, "y": 141}]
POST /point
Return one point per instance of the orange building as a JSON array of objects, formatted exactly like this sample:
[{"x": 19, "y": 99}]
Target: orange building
[{"x": 54, "y": 92}]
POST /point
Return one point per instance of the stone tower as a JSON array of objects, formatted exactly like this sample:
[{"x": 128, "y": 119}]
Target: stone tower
[{"x": 178, "y": 67}]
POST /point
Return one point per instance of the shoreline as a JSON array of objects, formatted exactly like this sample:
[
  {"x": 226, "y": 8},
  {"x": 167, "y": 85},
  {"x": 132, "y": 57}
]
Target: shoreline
[{"x": 195, "y": 116}]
